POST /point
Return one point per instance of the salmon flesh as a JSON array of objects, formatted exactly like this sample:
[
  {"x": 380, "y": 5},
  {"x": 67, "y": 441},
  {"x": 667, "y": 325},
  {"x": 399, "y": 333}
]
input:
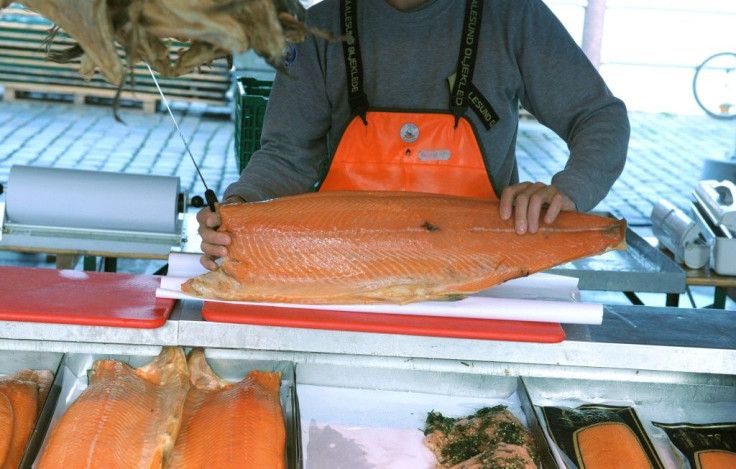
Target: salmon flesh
[
  {"x": 22, "y": 395},
  {"x": 230, "y": 424},
  {"x": 6, "y": 427},
  {"x": 126, "y": 418},
  {"x": 492, "y": 437},
  {"x": 386, "y": 247}
]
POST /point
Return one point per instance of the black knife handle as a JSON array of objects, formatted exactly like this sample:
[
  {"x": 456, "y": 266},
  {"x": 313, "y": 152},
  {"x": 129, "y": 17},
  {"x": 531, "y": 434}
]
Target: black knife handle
[{"x": 209, "y": 194}]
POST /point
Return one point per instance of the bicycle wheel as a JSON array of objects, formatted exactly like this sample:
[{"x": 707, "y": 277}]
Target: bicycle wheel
[{"x": 714, "y": 85}]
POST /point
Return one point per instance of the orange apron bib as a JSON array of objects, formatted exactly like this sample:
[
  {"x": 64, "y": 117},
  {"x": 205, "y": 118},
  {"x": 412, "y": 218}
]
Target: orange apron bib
[{"x": 409, "y": 151}]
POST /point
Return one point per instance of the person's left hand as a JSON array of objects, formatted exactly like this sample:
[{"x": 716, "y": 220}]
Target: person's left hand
[{"x": 525, "y": 202}]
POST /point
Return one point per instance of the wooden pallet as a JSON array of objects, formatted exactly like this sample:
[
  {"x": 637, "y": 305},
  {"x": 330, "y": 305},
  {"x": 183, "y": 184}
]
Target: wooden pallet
[{"x": 25, "y": 70}]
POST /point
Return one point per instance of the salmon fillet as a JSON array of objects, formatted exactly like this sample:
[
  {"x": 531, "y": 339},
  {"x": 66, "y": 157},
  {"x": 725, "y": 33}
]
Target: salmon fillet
[
  {"x": 23, "y": 398},
  {"x": 346, "y": 247},
  {"x": 228, "y": 425},
  {"x": 22, "y": 395},
  {"x": 6, "y": 427},
  {"x": 126, "y": 418},
  {"x": 716, "y": 459},
  {"x": 42, "y": 378},
  {"x": 492, "y": 437},
  {"x": 705, "y": 446},
  {"x": 601, "y": 436},
  {"x": 606, "y": 445}
]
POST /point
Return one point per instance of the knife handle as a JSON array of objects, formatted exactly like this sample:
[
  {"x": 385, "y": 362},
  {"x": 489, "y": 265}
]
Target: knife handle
[{"x": 209, "y": 194}]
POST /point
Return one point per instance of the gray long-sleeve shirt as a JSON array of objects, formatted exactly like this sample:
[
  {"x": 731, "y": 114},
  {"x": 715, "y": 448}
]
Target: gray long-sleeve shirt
[{"x": 525, "y": 56}]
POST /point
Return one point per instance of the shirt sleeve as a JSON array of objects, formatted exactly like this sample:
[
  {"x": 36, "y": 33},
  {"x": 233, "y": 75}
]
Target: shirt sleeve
[
  {"x": 293, "y": 138},
  {"x": 566, "y": 93}
]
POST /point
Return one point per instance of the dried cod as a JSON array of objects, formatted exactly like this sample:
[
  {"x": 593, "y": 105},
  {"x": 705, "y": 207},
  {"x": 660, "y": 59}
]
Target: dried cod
[{"x": 150, "y": 30}]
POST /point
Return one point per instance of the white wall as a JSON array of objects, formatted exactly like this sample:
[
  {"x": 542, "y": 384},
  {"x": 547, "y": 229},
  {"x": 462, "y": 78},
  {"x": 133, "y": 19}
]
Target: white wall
[{"x": 651, "y": 47}]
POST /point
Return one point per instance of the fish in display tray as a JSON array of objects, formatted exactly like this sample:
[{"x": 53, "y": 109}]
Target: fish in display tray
[
  {"x": 491, "y": 438},
  {"x": 599, "y": 436},
  {"x": 6, "y": 425},
  {"x": 230, "y": 424},
  {"x": 125, "y": 418},
  {"x": 706, "y": 446},
  {"x": 22, "y": 395},
  {"x": 353, "y": 247}
]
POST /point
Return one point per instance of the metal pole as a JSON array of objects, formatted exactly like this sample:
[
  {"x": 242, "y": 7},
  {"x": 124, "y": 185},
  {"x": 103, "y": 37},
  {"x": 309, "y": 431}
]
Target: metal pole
[{"x": 595, "y": 13}]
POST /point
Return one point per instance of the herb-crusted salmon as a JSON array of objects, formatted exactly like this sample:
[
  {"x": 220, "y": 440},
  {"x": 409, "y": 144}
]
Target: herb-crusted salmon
[
  {"x": 386, "y": 247},
  {"x": 491, "y": 438}
]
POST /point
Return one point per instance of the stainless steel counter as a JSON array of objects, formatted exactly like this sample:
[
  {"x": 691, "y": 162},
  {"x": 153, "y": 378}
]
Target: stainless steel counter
[{"x": 634, "y": 343}]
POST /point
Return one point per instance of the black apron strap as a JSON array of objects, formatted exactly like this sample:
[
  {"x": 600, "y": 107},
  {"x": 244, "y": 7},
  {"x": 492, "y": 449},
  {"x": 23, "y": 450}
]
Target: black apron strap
[
  {"x": 464, "y": 94},
  {"x": 357, "y": 98}
]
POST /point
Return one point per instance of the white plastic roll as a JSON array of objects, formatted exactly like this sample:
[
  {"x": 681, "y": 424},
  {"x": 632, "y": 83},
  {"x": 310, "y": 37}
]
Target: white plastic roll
[
  {"x": 74, "y": 198},
  {"x": 680, "y": 234}
]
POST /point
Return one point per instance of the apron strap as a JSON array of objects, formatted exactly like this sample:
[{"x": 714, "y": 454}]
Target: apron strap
[
  {"x": 464, "y": 93},
  {"x": 357, "y": 98}
]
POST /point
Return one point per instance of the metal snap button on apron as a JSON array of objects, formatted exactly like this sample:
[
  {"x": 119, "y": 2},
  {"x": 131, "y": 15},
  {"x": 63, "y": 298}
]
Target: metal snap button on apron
[{"x": 409, "y": 132}]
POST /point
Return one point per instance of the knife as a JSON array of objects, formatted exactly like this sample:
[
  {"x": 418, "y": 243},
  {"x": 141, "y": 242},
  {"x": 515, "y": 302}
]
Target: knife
[{"x": 209, "y": 194}]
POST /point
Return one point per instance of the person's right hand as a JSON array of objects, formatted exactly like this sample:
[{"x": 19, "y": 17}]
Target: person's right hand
[{"x": 214, "y": 243}]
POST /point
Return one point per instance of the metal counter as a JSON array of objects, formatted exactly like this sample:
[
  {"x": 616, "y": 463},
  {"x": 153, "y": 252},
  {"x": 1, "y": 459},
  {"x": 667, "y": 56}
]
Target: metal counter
[
  {"x": 636, "y": 343},
  {"x": 641, "y": 267}
]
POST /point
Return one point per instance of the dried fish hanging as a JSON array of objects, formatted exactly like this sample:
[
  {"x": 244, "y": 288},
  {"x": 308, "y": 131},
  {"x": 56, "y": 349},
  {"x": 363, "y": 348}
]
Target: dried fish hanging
[{"x": 145, "y": 29}]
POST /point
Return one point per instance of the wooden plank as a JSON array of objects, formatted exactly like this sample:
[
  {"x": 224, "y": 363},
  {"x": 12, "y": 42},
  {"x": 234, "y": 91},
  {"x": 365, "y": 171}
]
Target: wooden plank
[
  {"x": 30, "y": 28},
  {"x": 13, "y": 88},
  {"x": 30, "y": 66},
  {"x": 38, "y": 59},
  {"x": 23, "y": 63},
  {"x": 51, "y": 78},
  {"x": 71, "y": 90}
]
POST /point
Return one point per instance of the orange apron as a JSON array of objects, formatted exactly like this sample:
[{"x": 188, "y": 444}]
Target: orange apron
[{"x": 410, "y": 151}]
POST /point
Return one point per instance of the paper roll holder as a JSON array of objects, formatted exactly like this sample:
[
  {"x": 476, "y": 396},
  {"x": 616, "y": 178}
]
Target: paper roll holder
[{"x": 90, "y": 240}]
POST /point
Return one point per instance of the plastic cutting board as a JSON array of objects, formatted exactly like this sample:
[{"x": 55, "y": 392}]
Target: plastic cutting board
[
  {"x": 435, "y": 326},
  {"x": 81, "y": 298}
]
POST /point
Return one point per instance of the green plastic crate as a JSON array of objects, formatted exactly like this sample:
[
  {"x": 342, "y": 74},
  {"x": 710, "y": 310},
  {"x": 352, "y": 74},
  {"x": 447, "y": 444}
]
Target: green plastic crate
[{"x": 250, "y": 108}]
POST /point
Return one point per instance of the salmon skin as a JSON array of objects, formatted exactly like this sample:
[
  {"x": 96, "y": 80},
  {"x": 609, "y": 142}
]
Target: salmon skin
[
  {"x": 227, "y": 424},
  {"x": 126, "y": 418},
  {"x": 22, "y": 395},
  {"x": 347, "y": 247}
]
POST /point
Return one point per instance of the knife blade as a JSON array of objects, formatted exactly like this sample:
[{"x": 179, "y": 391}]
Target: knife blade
[{"x": 209, "y": 194}]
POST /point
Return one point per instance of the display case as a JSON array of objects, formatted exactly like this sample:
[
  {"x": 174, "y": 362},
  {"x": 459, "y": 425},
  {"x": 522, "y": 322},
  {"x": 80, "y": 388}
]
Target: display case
[{"x": 683, "y": 356}]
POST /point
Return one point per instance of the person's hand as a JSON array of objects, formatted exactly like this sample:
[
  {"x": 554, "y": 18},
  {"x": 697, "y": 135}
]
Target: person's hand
[
  {"x": 525, "y": 202},
  {"x": 214, "y": 244}
]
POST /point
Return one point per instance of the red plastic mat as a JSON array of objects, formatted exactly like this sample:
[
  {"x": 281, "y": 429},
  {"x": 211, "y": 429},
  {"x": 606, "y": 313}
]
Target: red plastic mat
[
  {"x": 82, "y": 298},
  {"x": 435, "y": 326}
]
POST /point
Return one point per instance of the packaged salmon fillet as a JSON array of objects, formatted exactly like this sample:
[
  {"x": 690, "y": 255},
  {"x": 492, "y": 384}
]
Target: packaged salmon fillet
[
  {"x": 705, "y": 446},
  {"x": 596, "y": 436}
]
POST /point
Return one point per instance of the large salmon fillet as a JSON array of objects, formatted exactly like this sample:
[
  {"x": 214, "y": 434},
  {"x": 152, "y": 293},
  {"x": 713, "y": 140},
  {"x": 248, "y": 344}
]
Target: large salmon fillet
[
  {"x": 126, "y": 418},
  {"x": 6, "y": 427},
  {"x": 228, "y": 425},
  {"x": 22, "y": 395},
  {"x": 386, "y": 247}
]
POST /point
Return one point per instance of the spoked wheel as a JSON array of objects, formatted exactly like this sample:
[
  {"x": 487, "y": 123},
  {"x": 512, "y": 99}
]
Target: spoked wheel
[{"x": 714, "y": 85}]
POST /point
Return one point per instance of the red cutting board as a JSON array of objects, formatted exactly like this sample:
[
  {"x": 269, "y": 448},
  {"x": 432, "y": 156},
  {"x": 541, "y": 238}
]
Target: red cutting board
[
  {"x": 82, "y": 298},
  {"x": 434, "y": 326}
]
